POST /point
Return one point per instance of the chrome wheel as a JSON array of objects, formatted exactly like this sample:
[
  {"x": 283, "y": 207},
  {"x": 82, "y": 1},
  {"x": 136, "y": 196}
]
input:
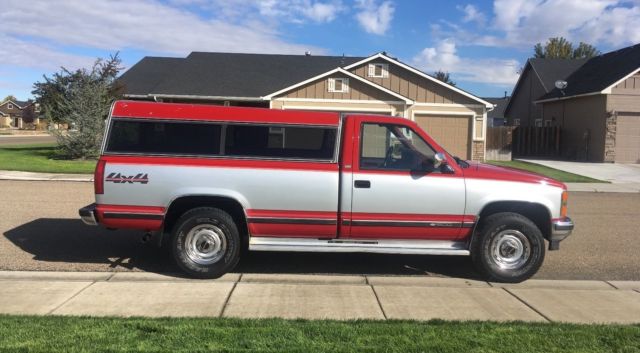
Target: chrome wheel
[
  {"x": 205, "y": 244},
  {"x": 510, "y": 249}
]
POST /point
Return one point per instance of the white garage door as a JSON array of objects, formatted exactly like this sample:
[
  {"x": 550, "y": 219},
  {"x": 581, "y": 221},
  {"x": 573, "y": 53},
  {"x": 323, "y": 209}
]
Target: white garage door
[
  {"x": 628, "y": 139},
  {"x": 453, "y": 132}
]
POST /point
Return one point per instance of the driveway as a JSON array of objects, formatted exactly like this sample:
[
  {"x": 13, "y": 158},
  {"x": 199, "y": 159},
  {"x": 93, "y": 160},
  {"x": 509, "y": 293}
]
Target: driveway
[
  {"x": 40, "y": 230},
  {"x": 613, "y": 172}
]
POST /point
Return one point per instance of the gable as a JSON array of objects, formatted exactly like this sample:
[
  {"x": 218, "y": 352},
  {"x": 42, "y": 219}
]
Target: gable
[
  {"x": 630, "y": 85},
  {"x": 319, "y": 89},
  {"x": 411, "y": 85}
]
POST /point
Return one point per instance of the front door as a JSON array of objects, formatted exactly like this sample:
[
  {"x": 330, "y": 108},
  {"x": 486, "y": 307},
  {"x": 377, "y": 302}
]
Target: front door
[{"x": 397, "y": 193}]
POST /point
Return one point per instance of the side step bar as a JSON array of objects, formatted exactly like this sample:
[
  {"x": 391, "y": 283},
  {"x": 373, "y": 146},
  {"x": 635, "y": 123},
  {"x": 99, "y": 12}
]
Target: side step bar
[{"x": 416, "y": 247}]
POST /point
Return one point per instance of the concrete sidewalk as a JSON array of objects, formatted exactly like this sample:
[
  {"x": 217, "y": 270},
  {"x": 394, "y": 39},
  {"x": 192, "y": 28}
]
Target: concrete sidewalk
[{"x": 316, "y": 297}]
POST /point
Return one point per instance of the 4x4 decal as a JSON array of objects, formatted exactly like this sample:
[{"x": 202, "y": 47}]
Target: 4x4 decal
[{"x": 119, "y": 178}]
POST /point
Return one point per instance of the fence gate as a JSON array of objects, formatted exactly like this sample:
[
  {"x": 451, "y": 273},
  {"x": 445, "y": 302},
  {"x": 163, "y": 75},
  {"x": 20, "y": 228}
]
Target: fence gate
[
  {"x": 534, "y": 141},
  {"x": 499, "y": 143}
]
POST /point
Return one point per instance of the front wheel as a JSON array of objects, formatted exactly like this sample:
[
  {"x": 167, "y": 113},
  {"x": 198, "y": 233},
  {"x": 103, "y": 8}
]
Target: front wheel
[
  {"x": 508, "y": 248},
  {"x": 206, "y": 242}
]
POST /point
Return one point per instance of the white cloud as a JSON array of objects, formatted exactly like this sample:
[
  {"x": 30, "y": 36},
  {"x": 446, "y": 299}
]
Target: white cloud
[
  {"x": 472, "y": 14},
  {"x": 146, "y": 25},
  {"x": 444, "y": 57},
  {"x": 374, "y": 18},
  {"x": 523, "y": 23},
  {"x": 15, "y": 52}
]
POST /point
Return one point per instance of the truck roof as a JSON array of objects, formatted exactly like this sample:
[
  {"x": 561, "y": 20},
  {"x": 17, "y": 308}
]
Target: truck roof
[{"x": 201, "y": 112}]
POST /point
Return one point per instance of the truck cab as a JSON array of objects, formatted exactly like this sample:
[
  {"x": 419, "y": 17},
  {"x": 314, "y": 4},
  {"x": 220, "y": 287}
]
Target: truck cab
[{"x": 211, "y": 180}]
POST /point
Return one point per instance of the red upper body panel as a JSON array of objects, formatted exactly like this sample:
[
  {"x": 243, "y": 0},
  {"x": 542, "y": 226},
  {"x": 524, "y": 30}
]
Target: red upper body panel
[
  {"x": 201, "y": 112},
  {"x": 485, "y": 171}
]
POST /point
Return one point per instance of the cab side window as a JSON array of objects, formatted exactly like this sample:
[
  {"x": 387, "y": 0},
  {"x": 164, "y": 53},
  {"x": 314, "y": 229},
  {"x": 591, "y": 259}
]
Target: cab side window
[{"x": 393, "y": 147}]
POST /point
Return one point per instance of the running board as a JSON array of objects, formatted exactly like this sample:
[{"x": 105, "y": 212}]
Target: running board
[{"x": 416, "y": 247}]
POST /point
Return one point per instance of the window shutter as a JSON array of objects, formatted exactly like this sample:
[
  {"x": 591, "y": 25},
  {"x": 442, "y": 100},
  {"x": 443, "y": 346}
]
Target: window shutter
[
  {"x": 332, "y": 85},
  {"x": 345, "y": 85},
  {"x": 372, "y": 70},
  {"x": 385, "y": 71}
]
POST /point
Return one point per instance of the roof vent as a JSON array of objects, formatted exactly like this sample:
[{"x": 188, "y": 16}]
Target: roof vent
[{"x": 307, "y": 53}]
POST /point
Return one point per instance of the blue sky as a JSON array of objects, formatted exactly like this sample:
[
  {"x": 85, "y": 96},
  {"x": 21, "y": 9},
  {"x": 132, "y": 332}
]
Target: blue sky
[{"x": 481, "y": 43}]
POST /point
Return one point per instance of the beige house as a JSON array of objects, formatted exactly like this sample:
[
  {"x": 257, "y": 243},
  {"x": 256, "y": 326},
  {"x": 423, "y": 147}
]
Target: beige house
[
  {"x": 377, "y": 84},
  {"x": 599, "y": 110}
]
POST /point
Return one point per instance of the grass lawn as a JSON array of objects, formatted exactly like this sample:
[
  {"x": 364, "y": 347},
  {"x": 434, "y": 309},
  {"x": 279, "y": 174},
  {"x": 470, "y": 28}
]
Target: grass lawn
[
  {"x": 546, "y": 171},
  {"x": 40, "y": 158},
  {"x": 75, "y": 334}
]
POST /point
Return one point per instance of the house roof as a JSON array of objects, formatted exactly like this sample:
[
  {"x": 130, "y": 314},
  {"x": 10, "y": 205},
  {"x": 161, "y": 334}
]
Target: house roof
[
  {"x": 599, "y": 73},
  {"x": 146, "y": 74},
  {"x": 500, "y": 105},
  {"x": 222, "y": 75},
  {"x": 551, "y": 70},
  {"x": 19, "y": 104}
]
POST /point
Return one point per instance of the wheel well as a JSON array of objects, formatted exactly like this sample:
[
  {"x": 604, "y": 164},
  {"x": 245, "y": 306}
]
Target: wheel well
[
  {"x": 536, "y": 212},
  {"x": 182, "y": 204}
]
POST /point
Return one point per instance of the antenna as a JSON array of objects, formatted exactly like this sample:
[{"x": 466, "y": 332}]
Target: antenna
[{"x": 561, "y": 85}]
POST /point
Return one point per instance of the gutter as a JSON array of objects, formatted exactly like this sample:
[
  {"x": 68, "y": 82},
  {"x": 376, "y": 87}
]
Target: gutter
[{"x": 567, "y": 97}]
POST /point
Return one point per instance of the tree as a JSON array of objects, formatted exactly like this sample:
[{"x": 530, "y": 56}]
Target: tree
[
  {"x": 81, "y": 99},
  {"x": 560, "y": 48},
  {"x": 10, "y": 97},
  {"x": 29, "y": 113},
  {"x": 444, "y": 77}
]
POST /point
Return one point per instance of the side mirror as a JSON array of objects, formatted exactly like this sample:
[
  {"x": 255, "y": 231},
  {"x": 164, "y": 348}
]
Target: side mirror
[{"x": 439, "y": 160}]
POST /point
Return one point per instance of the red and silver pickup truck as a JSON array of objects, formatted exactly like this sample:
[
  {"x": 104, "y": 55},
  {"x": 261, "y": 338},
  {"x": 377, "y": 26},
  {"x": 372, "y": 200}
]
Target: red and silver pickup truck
[{"x": 210, "y": 180}]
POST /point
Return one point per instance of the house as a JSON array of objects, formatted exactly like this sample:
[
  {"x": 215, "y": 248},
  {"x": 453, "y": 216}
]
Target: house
[
  {"x": 496, "y": 116},
  {"x": 537, "y": 78},
  {"x": 599, "y": 109},
  {"x": 14, "y": 113},
  {"x": 378, "y": 84}
]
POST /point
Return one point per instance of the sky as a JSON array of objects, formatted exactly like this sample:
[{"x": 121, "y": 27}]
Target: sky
[{"x": 482, "y": 44}]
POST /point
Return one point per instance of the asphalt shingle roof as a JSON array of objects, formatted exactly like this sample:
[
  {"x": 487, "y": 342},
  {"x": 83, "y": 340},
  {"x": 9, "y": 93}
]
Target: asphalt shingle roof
[
  {"x": 599, "y": 73},
  {"x": 226, "y": 74},
  {"x": 500, "y": 106},
  {"x": 552, "y": 70}
]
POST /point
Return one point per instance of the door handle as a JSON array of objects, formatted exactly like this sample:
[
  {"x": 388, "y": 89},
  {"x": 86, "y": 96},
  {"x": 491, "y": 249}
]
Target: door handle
[{"x": 362, "y": 184}]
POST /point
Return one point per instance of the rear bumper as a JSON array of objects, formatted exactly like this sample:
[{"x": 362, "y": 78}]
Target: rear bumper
[
  {"x": 88, "y": 215},
  {"x": 560, "y": 229}
]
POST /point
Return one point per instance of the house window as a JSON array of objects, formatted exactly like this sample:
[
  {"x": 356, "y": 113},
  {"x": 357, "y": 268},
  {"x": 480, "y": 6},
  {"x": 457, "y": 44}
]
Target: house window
[
  {"x": 379, "y": 70},
  {"x": 9, "y": 106},
  {"x": 538, "y": 122},
  {"x": 516, "y": 122},
  {"x": 339, "y": 85}
]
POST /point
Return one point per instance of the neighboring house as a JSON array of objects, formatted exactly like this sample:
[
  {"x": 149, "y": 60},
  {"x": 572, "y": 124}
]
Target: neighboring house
[
  {"x": 496, "y": 116},
  {"x": 376, "y": 84},
  {"x": 599, "y": 110},
  {"x": 538, "y": 78},
  {"x": 12, "y": 113}
]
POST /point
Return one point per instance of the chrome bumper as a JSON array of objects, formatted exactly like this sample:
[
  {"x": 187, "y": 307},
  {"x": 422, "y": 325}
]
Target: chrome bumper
[
  {"x": 88, "y": 215},
  {"x": 560, "y": 229}
]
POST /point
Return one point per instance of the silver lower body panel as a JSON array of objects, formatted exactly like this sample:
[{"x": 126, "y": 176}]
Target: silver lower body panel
[{"x": 414, "y": 247}]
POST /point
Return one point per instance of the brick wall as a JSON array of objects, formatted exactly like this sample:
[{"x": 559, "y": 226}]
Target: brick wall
[
  {"x": 477, "y": 151},
  {"x": 610, "y": 137}
]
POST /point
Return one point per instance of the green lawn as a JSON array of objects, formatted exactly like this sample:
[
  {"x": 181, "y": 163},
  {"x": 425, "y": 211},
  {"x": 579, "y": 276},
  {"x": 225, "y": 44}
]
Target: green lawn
[
  {"x": 74, "y": 334},
  {"x": 41, "y": 158},
  {"x": 550, "y": 172}
]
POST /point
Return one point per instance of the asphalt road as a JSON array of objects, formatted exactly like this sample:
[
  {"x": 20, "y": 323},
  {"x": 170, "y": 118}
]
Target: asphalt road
[
  {"x": 40, "y": 230},
  {"x": 25, "y": 140}
]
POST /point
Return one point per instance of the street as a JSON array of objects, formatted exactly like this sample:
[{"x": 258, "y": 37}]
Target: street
[
  {"x": 26, "y": 140},
  {"x": 41, "y": 231}
]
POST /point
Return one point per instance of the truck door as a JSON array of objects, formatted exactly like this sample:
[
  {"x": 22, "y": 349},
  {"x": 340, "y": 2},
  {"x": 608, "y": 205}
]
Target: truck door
[{"x": 397, "y": 193}]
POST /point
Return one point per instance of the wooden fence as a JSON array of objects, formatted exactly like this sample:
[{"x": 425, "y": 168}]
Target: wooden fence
[
  {"x": 499, "y": 143},
  {"x": 534, "y": 141}
]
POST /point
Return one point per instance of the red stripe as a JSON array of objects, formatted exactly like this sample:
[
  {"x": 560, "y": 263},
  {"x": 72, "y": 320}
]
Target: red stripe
[
  {"x": 409, "y": 217},
  {"x": 292, "y": 214},
  {"x": 201, "y": 112},
  {"x": 117, "y": 223},
  {"x": 220, "y": 162},
  {"x": 292, "y": 230}
]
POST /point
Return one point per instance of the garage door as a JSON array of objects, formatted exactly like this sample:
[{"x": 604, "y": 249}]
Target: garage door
[
  {"x": 628, "y": 139},
  {"x": 452, "y": 132}
]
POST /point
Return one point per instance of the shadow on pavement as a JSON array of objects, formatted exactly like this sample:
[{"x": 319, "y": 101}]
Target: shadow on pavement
[{"x": 69, "y": 240}]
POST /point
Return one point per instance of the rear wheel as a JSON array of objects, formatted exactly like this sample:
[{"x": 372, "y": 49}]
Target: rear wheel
[
  {"x": 206, "y": 242},
  {"x": 508, "y": 248}
]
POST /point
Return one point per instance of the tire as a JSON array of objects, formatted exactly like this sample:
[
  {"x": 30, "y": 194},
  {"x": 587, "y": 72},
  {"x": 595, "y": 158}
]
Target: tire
[
  {"x": 206, "y": 242},
  {"x": 508, "y": 247}
]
